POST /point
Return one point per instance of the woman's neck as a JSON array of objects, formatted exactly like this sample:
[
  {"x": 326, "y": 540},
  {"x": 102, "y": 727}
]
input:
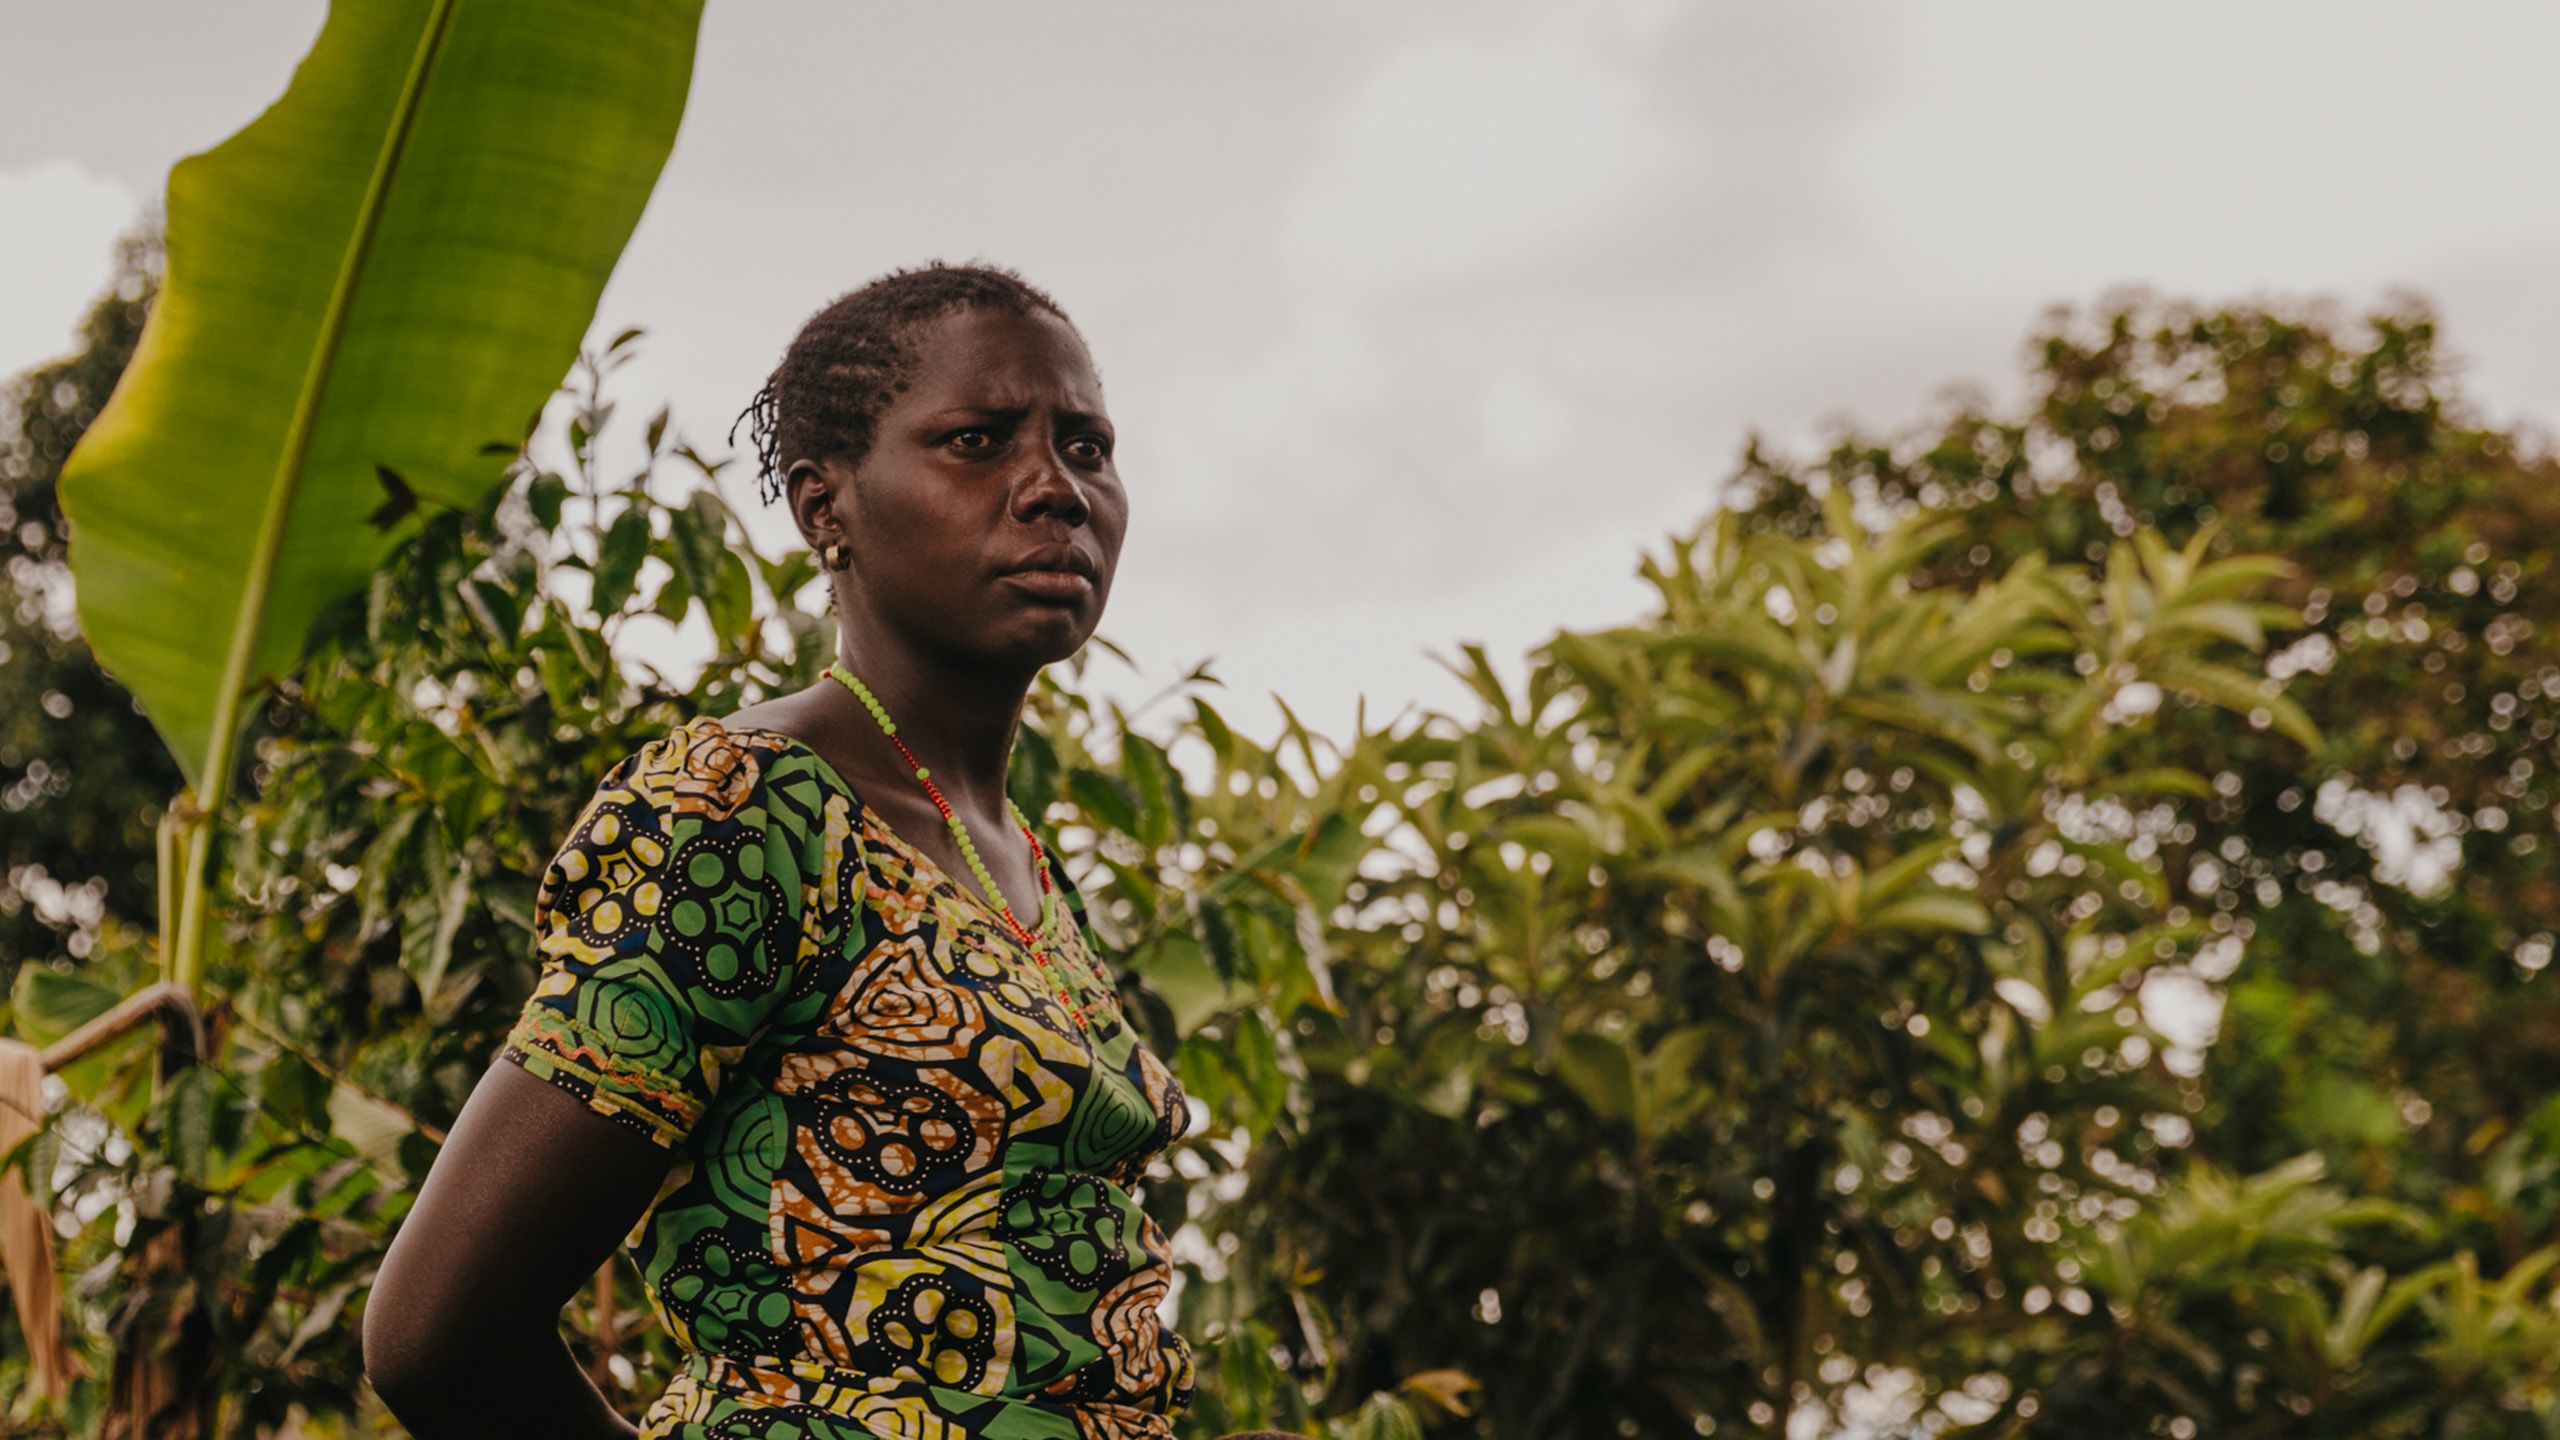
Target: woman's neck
[{"x": 959, "y": 721}]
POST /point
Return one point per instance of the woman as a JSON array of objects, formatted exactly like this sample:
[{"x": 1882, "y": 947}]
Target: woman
[{"x": 818, "y": 1030}]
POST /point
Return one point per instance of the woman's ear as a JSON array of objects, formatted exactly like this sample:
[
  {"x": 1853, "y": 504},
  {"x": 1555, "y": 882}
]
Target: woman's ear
[{"x": 810, "y": 488}]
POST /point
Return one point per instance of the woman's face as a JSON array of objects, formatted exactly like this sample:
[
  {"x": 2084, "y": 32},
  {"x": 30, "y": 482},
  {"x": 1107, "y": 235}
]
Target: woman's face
[{"x": 997, "y": 453}]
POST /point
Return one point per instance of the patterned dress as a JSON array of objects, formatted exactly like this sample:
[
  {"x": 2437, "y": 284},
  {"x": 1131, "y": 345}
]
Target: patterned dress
[{"x": 900, "y": 1207}]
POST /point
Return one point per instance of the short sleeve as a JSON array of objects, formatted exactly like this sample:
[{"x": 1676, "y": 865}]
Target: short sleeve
[{"x": 668, "y": 931}]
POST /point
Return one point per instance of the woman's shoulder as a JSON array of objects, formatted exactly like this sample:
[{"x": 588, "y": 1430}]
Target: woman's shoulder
[
  {"x": 735, "y": 786},
  {"x": 798, "y": 787},
  {"x": 715, "y": 773}
]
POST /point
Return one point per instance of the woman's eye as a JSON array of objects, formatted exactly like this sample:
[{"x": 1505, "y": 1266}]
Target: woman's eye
[
  {"x": 972, "y": 439},
  {"x": 1091, "y": 447}
]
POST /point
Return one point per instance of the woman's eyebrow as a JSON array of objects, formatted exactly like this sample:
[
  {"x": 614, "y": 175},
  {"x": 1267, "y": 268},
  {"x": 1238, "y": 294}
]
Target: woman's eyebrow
[{"x": 1011, "y": 412}]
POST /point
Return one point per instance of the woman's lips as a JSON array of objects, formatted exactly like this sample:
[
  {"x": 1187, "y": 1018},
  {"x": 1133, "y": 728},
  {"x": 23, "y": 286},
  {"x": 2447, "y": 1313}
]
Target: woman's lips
[{"x": 1051, "y": 584}]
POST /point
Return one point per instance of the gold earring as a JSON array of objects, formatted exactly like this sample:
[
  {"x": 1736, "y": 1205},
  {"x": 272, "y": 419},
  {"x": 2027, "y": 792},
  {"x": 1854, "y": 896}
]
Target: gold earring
[{"x": 833, "y": 554}]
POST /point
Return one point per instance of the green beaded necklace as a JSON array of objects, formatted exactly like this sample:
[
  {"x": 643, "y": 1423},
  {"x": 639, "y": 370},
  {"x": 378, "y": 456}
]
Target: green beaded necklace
[{"x": 969, "y": 848}]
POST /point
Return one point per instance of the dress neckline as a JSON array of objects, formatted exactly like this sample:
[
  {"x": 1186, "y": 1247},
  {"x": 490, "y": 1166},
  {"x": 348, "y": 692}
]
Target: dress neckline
[{"x": 1053, "y": 903}]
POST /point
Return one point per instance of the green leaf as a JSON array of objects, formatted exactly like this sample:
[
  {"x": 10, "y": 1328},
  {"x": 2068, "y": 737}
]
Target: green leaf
[
  {"x": 1600, "y": 1070},
  {"x": 674, "y": 599},
  {"x": 1667, "y": 1088},
  {"x": 1152, "y": 781},
  {"x": 2224, "y": 618},
  {"x": 382, "y": 276},
  {"x": 1214, "y": 727},
  {"x": 1482, "y": 678},
  {"x": 732, "y": 601},
  {"x": 382, "y": 867},
  {"x": 2239, "y": 575},
  {"x": 1933, "y": 910},
  {"x": 373, "y": 1128},
  {"x": 190, "y": 1118},
  {"x": 1104, "y": 797},
  {"x": 388, "y": 270},
  {"x": 46, "y": 1004},
  {"x": 1384, "y": 1417},
  {"x": 1176, "y": 970},
  {"x": 1906, "y": 870},
  {"x": 2164, "y": 780},
  {"x": 1677, "y": 777},
  {"x": 711, "y": 570},
  {"x": 1251, "y": 1057},
  {"x": 543, "y": 495},
  {"x": 2240, "y": 694},
  {"x": 625, "y": 545},
  {"x": 1217, "y": 932},
  {"x": 450, "y": 908}
]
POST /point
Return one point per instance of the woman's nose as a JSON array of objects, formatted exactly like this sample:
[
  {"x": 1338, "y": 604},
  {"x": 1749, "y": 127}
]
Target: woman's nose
[{"x": 1050, "y": 485}]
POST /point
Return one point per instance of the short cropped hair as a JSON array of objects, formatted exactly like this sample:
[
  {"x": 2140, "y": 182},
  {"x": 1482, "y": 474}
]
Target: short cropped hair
[{"x": 824, "y": 400}]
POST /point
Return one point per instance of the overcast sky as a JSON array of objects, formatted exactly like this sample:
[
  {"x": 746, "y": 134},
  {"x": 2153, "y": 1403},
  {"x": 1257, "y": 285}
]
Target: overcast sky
[{"x": 1420, "y": 323}]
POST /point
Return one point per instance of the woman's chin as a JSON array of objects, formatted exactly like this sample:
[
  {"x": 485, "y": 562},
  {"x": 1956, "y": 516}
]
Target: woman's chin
[{"x": 1045, "y": 634}]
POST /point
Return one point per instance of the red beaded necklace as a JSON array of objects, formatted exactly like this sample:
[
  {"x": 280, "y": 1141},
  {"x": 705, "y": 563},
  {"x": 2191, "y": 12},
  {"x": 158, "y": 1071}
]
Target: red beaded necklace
[{"x": 969, "y": 850}]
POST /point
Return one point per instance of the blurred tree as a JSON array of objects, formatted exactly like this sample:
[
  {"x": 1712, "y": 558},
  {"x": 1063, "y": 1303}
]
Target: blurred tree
[
  {"x": 2381, "y": 912},
  {"x": 83, "y": 777},
  {"x": 1774, "y": 1012},
  {"x": 1754, "y": 1003},
  {"x": 1629, "y": 1120},
  {"x": 2387, "y": 910},
  {"x": 375, "y": 934},
  {"x": 376, "y": 914}
]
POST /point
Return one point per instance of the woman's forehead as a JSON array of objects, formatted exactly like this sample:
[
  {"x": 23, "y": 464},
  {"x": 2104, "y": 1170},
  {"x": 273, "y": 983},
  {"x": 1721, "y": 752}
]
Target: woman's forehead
[{"x": 982, "y": 356}]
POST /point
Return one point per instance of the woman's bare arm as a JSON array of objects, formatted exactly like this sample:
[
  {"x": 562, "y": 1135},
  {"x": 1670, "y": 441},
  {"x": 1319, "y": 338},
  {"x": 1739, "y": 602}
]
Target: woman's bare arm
[{"x": 530, "y": 1194}]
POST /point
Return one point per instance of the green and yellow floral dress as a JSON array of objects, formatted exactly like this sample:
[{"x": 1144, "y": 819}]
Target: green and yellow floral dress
[{"x": 900, "y": 1208}]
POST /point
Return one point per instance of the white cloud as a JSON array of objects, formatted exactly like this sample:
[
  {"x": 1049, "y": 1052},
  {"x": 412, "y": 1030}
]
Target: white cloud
[
  {"x": 1463, "y": 158},
  {"x": 1422, "y": 321},
  {"x": 2305, "y": 147},
  {"x": 58, "y": 226},
  {"x": 1524, "y": 420}
]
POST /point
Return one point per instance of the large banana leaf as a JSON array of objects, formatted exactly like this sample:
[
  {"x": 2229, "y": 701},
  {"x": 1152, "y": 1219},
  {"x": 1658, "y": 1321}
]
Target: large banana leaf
[{"x": 371, "y": 290}]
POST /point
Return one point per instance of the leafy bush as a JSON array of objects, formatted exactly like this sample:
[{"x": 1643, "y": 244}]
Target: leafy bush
[{"x": 1783, "y": 1009}]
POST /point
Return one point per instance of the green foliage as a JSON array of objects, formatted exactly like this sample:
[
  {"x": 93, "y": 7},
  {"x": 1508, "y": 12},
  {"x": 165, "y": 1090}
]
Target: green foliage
[
  {"x": 1780, "y": 1006},
  {"x": 277, "y": 430},
  {"x": 82, "y": 776},
  {"x": 275, "y": 433},
  {"x": 2418, "y": 624},
  {"x": 450, "y": 721},
  {"x": 1758, "y": 993},
  {"x": 2384, "y": 908}
]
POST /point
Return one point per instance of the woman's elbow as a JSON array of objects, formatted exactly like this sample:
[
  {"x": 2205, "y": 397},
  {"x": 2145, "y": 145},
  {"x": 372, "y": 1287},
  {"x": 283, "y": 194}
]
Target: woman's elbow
[
  {"x": 419, "y": 1330},
  {"x": 399, "y": 1348}
]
